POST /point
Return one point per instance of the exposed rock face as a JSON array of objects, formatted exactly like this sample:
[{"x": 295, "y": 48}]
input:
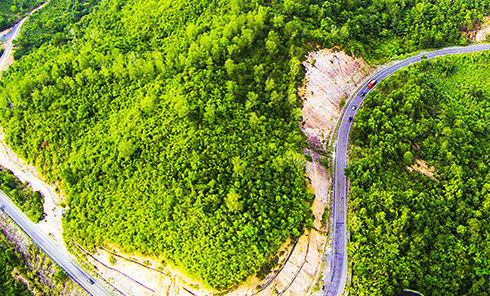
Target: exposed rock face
[
  {"x": 330, "y": 76},
  {"x": 422, "y": 167},
  {"x": 484, "y": 31}
]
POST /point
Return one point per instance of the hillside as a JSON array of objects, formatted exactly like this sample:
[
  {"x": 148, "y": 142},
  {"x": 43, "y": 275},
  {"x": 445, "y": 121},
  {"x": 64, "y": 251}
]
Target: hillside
[
  {"x": 172, "y": 126},
  {"x": 424, "y": 229}
]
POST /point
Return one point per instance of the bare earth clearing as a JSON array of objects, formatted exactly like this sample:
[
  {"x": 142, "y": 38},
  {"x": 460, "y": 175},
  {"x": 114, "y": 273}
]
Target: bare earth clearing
[
  {"x": 330, "y": 76},
  {"x": 481, "y": 35},
  {"x": 422, "y": 167}
]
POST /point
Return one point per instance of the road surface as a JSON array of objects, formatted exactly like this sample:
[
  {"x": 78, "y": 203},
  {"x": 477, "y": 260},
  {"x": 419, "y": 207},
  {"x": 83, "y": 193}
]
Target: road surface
[
  {"x": 12, "y": 34},
  {"x": 62, "y": 258},
  {"x": 336, "y": 285}
]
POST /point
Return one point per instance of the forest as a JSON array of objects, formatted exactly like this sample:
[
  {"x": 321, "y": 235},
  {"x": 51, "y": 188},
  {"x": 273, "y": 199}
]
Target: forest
[
  {"x": 410, "y": 229},
  {"x": 50, "y": 24},
  {"x": 379, "y": 30},
  {"x": 12, "y": 11},
  {"x": 172, "y": 126}
]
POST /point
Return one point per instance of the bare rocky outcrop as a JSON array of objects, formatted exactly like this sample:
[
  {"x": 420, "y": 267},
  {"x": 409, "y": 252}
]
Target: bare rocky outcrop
[
  {"x": 331, "y": 77},
  {"x": 483, "y": 31},
  {"x": 422, "y": 167}
]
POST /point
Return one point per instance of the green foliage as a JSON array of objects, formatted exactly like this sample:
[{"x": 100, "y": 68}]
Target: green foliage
[
  {"x": 408, "y": 157},
  {"x": 30, "y": 202},
  {"x": 232, "y": 201},
  {"x": 53, "y": 23},
  {"x": 173, "y": 125},
  {"x": 173, "y": 130},
  {"x": 12, "y": 11},
  {"x": 10, "y": 259},
  {"x": 378, "y": 30},
  {"x": 267, "y": 267},
  {"x": 112, "y": 260},
  {"x": 342, "y": 102},
  {"x": 61, "y": 276},
  {"x": 409, "y": 231}
]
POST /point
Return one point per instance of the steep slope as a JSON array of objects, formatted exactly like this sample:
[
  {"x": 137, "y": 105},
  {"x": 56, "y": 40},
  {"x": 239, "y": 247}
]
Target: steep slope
[
  {"x": 173, "y": 125},
  {"x": 173, "y": 145},
  {"x": 411, "y": 229}
]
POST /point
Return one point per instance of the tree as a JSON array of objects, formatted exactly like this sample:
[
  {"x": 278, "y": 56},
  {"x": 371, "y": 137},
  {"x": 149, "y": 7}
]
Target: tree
[
  {"x": 232, "y": 201},
  {"x": 408, "y": 158}
]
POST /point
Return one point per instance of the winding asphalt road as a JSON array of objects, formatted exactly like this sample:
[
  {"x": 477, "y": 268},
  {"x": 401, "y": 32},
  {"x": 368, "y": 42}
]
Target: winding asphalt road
[
  {"x": 12, "y": 34},
  {"x": 336, "y": 285}
]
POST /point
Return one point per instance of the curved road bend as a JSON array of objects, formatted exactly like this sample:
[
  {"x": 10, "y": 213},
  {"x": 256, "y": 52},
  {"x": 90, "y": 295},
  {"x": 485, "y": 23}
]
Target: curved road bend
[
  {"x": 336, "y": 285},
  {"x": 14, "y": 33},
  {"x": 63, "y": 259}
]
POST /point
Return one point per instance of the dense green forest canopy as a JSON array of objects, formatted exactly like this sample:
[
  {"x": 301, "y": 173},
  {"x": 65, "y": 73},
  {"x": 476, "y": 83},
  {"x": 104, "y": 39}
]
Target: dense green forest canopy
[
  {"x": 172, "y": 126},
  {"x": 11, "y": 11},
  {"x": 380, "y": 29},
  {"x": 408, "y": 230}
]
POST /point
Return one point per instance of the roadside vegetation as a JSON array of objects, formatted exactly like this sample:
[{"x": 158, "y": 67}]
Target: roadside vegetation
[
  {"x": 52, "y": 24},
  {"x": 172, "y": 126},
  {"x": 10, "y": 260},
  {"x": 12, "y": 11},
  {"x": 378, "y": 30},
  {"x": 28, "y": 201},
  {"x": 26, "y": 269},
  {"x": 408, "y": 230}
]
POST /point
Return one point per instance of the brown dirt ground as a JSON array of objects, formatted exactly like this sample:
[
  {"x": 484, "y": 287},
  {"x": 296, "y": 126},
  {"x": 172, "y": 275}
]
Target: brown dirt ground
[
  {"x": 422, "y": 167},
  {"x": 481, "y": 35}
]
